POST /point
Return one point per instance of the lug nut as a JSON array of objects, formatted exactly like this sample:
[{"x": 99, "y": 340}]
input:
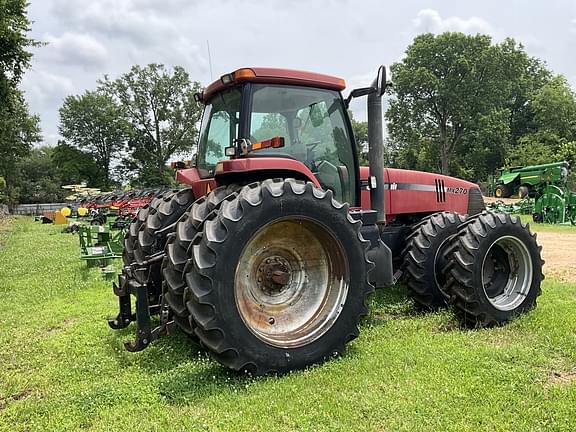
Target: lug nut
[{"x": 271, "y": 320}]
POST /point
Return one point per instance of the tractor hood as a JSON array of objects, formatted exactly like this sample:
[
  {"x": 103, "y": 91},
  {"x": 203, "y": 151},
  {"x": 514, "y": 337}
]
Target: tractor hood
[{"x": 410, "y": 192}]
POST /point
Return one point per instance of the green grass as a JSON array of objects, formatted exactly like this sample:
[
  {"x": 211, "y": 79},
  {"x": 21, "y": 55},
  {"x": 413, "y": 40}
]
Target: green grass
[{"x": 62, "y": 368}]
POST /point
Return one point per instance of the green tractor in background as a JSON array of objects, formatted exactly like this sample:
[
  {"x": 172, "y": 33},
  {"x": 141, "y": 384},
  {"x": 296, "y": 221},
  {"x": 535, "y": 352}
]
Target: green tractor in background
[{"x": 530, "y": 180}]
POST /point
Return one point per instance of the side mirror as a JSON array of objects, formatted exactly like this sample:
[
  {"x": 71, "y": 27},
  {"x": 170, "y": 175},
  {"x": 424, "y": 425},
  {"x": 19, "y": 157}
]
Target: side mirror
[
  {"x": 364, "y": 91},
  {"x": 383, "y": 80}
]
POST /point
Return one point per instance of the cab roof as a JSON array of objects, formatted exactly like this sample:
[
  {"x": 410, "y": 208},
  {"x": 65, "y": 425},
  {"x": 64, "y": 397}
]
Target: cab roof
[{"x": 275, "y": 76}]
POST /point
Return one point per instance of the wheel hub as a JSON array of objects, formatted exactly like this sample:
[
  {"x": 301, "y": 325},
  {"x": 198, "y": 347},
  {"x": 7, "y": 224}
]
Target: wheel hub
[{"x": 274, "y": 275}]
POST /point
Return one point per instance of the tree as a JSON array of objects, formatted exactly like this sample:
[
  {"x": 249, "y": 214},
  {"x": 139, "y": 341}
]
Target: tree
[
  {"x": 554, "y": 107},
  {"x": 37, "y": 180},
  {"x": 95, "y": 123},
  {"x": 75, "y": 166},
  {"x": 360, "y": 130},
  {"x": 2, "y": 187},
  {"x": 18, "y": 129},
  {"x": 162, "y": 113},
  {"x": 553, "y": 135},
  {"x": 14, "y": 57},
  {"x": 449, "y": 89}
]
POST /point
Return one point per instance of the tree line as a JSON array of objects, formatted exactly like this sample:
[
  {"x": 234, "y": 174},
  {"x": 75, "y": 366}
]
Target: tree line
[
  {"x": 465, "y": 106},
  {"x": 460, "y": 105},
  {"x": 134, "y": 124},
  {"x": 19, "y": 130}
]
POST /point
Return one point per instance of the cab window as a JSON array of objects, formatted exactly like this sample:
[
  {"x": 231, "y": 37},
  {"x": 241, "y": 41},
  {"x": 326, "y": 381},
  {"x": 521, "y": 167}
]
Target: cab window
[
  {"x": 313, "y": 126},
  {"x": 219, "y": 129}
]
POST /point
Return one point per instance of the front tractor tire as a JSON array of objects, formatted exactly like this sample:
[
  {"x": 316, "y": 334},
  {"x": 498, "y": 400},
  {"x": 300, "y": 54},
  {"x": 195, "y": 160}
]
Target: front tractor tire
[
  {"x": 495, "y": 270},
  {"x": 278, "y": 278},
  {"x": 424, "y": 258}
]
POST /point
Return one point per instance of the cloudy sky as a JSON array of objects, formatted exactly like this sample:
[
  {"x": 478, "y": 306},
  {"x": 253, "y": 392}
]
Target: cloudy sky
[{"x": 87, "y": 39}]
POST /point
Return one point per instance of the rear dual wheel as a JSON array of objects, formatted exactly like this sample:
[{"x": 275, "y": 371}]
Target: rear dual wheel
[
  {"x": 147, "y": 235},
  {"x": 495, "y": 270},
  {"x": 277, "y": 278},
  {"x": 424, "y": 258},
  {"x": 177, "y": 249},
  {"x": 153, "y": 232}
]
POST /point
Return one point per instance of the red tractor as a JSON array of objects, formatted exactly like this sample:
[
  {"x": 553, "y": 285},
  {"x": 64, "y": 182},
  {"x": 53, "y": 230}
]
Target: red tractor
[{"x": 268, "y": 256}]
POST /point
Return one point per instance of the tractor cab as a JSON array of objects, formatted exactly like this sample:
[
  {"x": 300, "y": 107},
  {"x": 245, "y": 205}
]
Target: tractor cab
[{"x": 301, "y": 118}]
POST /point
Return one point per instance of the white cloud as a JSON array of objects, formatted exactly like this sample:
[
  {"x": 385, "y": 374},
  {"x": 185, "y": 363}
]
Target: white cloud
[
  {"x": 45, "y": 90},
  {"x": 90, "y": 38},
  {"x": 76, "y": 48},
  {"x": 126, "y": 19},
  {"x": 430, "y": 21},
  {"x": 573, "y": 25},
  {"x": 45, "y": 93},
  {"x": 51, "y": 139}
]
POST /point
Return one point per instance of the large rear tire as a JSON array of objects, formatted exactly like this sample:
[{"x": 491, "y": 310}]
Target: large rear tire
[
  {"x": 495, "y": 270},
  {"x": 153, "y": 232},
  {"x": 131, "y": 244},
  {"x": 278, "y": 278},
  {"x": 177, "y": 247},
  {"x": 424, "y": 258}
]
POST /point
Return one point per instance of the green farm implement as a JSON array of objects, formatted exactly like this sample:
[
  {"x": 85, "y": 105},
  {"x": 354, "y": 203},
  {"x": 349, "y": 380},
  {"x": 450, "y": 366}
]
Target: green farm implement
[
  {"x": 528, "y": 180},
  {"x": 555, "y": 205},
  {"x": 524, "y": 206},
  {"x": 99, "y": 245}
]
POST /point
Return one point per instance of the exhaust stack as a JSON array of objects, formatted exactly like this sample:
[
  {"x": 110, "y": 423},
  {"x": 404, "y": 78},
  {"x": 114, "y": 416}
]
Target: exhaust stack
[{"x": 376, "y": 144}]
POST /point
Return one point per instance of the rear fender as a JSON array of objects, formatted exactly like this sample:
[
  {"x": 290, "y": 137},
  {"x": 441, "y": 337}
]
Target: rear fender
[
  {"x": 256, "y": 169},
  {"x": 200, "y": 186}
]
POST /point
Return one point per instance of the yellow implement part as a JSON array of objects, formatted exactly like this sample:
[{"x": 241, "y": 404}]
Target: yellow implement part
[
  {"x": 82, "y": 211},
  {"x": 60, "y": 219},
  {"x": 66, "y": 212}
]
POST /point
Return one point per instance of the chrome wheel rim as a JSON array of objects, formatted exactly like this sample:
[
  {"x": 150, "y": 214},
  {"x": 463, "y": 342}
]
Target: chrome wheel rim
[{"x": 507, "y": 273}]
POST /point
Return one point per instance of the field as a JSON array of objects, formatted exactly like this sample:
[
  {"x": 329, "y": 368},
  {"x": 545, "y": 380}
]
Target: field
[{"x": 62, "y": 368}]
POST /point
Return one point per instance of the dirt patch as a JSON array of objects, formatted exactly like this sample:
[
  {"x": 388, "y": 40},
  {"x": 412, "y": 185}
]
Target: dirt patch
[
  {"x": 24, "y": 394},
  {"x": 66, "y": 323},
  {"x": 559, "y": 252},
  {"x": 562, "y": 377}
]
